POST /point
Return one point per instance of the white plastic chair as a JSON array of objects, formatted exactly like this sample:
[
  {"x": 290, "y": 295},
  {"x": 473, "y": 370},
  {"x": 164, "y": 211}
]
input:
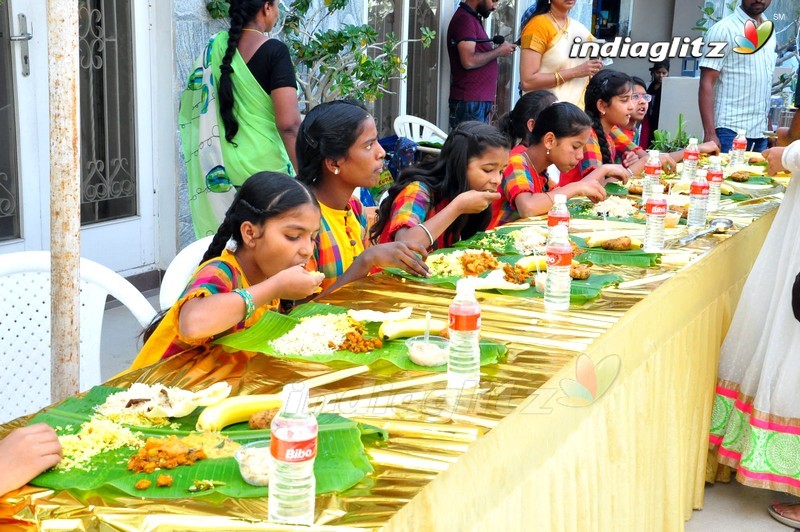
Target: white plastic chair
[
  {"x": 25, "y": 326},
  {"x": 180, "y": 270},
  {"x": 417, "y": 129}
]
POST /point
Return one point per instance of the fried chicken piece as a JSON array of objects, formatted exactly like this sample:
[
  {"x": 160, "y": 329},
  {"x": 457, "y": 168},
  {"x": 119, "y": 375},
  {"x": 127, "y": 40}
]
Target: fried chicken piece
[
  {"x": 622, "y": 243},
  {"x": 757, "y": 159},
  {"x": 164, "y": 481},
  {"x": 579, "y": 271},
  {"x": 575, "y": 248},
  {"x": 682, "y": 209},
  {"x": 740, "y": 177},
  {"x": 142, "y": 484},
  {"x": 635, "y": 189},
  {"x": 263, "y": 419}
]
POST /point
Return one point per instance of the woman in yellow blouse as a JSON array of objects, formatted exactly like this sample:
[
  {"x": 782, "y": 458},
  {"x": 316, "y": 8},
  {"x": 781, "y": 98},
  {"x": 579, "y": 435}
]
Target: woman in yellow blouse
[{"x": 544, "y": 63}]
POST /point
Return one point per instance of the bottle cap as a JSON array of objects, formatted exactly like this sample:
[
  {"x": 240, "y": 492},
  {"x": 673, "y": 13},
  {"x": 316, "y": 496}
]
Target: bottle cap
[
  {"x": 294, "y": 398},
  {"x": 558, "y": 231},
  {"x": 559, "y": 198},
  {"x": 658, "y": 189},
  {"x": 692, "y": 140},
  {"x": 701, "y": 173},
  {"x": 742, "y": 132},
  {"x": 465, "y": 287},
  {"x": 715, "y": 159},
  {"x": 654, "y": 153}
]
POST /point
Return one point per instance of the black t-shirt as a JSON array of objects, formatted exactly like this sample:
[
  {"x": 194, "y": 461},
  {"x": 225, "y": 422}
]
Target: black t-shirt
[{"x": 272, "y": 67}]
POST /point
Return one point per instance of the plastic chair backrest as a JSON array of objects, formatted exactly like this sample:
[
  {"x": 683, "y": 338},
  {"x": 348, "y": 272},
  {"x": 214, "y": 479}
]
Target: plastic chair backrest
[
  {"x": 25, "y": 326},
  {"x": 180, "y": 270},
  {"x": 417, "y": 129}
]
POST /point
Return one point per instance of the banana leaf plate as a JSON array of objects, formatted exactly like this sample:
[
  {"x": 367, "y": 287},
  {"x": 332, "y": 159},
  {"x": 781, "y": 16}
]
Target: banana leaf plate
[
  {"x": 581, "y": 291},
  {"x": 273, "y": 325},
  {"x": 341, "y": 460},
  {"x": 635, "y": 257}
]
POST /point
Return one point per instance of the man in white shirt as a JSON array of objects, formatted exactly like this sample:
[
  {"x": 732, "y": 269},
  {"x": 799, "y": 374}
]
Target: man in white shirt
[{"x": 735, "y": 89}]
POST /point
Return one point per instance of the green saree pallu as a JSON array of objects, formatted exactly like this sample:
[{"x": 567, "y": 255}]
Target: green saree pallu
[{"x": 214, "y": 166}]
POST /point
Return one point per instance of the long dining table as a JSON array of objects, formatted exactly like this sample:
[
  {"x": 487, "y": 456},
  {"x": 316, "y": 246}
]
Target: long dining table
[{"x": 526, "y": 452}]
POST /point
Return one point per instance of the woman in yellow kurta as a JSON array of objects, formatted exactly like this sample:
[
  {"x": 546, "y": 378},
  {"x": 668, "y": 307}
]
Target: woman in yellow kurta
[{"x": 547, "y": 35}]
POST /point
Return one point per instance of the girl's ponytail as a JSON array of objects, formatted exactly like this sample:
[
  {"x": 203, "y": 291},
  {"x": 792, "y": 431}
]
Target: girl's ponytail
[{"x": 225, "y": 86}]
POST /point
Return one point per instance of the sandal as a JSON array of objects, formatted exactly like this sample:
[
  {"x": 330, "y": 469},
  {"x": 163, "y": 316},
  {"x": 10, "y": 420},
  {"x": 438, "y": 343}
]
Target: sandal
[{"x": 782, "y": 519}]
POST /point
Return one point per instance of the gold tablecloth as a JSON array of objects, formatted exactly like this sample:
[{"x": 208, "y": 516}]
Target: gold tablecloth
[{"x": 519, "y": 456}]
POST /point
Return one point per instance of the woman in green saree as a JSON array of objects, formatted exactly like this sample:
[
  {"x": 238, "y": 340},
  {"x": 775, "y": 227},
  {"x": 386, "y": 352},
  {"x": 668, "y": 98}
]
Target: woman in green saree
[{"x": 239, "y": 113}]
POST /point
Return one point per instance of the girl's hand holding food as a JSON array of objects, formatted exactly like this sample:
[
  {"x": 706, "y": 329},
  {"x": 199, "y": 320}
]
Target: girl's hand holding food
[
  {"x": 475, "y": 201},
  {"x": 296, "y": 282},
  {"x": 409, "y": 256},
  {"x": 25, "y": 453}
]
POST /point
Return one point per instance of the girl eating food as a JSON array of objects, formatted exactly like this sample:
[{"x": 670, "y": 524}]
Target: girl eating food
[{"x": 436, "y": 204}]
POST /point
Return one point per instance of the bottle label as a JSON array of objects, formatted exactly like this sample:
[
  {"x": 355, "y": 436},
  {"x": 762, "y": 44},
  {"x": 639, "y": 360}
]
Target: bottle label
[
  {"x": 652, "y": 169},
  {"x": 715, "y": 176},
  {"x": 558, "y": 219},
  {"x": 690, "y": 155},
  {"x": 656, "y": 207},
  {"x": 465, "y": 322},
  {"x": 293, "y": 451},
  {"x": 699, "y": 189},
  {"x": 739, "y": 144},
  {"x": 559, "y": 258}
]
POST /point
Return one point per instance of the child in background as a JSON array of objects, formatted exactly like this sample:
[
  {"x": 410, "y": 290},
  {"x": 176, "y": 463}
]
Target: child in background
[
  {"x": 658, "y": 72},
  {"x": 438, "y": 203},
  {"x": 338, "y": 151},
  {"x": 519, "y": 122},
  {"x": 273, "y": 221},
  {"x": 558, "y": 138}
]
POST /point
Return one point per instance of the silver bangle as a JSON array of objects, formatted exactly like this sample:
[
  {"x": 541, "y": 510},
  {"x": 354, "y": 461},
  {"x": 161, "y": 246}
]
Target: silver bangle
[{"x": 430, "y": 236}]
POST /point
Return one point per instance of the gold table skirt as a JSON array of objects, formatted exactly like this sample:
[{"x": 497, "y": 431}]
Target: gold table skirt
[{"x": 519, "y": 456}]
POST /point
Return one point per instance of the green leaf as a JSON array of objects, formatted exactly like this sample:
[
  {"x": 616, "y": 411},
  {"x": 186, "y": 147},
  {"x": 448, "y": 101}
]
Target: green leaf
[
  {"x": 616, "y": 189},
  {"x": 341, "y": 459},
  {"x": 700, "y": 22},
  {"x": 273, "y": 325},
  {"x": 636, "y": 258},
  {"x": 755, "y": 180}
]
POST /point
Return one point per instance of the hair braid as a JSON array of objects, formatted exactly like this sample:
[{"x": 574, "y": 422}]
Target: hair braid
[
  {"x": 225, "y": 86},
  {"x": 601, "y": 139},
  {"x": 220, "y": 240}
]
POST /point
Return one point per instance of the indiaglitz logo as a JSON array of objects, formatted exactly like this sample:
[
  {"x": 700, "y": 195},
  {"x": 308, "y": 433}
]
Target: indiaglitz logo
[
  {"x": 591, "y": 381},
  {"x": 754, "y": 38}
]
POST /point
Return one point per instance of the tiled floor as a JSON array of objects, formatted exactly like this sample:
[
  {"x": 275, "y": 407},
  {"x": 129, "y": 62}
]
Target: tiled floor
[{"x": 728, "y": 507}]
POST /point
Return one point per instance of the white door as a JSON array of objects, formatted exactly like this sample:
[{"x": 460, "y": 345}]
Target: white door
[{"x": 117, "y": 196}]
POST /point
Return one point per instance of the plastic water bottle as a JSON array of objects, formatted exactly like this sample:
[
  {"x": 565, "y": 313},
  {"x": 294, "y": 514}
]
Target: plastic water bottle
[
  {"x": 715, "y": 178},
  {"x": 737, "y": 149},
  {"x": 293, "y": 447},
  {"x": 698, "y": 201},
  {"x": 559, "y": 262},
  {"x": 558, "y": 214},
  {"x": 652, "y": 174},
  {"x": 464, "y": 361},
  {"x": 690, "y": 156},
  {"x": 656, "y": 210}
]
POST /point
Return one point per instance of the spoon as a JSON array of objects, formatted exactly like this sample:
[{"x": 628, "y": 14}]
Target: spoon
[{"x": 715, "y": 225}]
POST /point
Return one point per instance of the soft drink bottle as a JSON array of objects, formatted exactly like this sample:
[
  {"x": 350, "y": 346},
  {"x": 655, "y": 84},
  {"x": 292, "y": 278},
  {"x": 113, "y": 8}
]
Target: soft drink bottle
[
  {"x": 737, "y": 150},
  {"x": 293, "y": 446},
  {"x": 558, "y": 214},
  {"x": 715, "y": 178},
  {"x": 652, "y": 174},
  {"x": 656, "y": 211},
  {"x": 698, "y": 201},
  {"x": 690, "y": 156},
  {"x": 559, "y": 262},
  {"x": 464, "y": 361}
]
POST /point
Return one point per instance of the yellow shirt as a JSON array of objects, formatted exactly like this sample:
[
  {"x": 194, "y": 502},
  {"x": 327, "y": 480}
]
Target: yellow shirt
[{"x": 340, "y": 241}]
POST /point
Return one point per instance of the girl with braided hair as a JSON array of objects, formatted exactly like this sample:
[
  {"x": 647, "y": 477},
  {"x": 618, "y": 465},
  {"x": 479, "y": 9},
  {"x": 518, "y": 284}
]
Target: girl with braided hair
[
  {"x": 239, "y": 113},
  {"x": 441, "y": 202},
  {"x": 273, "y": 222}
]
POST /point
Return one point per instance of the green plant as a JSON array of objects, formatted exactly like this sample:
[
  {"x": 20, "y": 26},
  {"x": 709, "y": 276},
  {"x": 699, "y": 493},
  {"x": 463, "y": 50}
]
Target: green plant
[
  {"x": 665, "y": 142},
  {"x": 218, "y": 8},
  {"x": 709, "y": 14},
  {"x": 335, "y": 61}
]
